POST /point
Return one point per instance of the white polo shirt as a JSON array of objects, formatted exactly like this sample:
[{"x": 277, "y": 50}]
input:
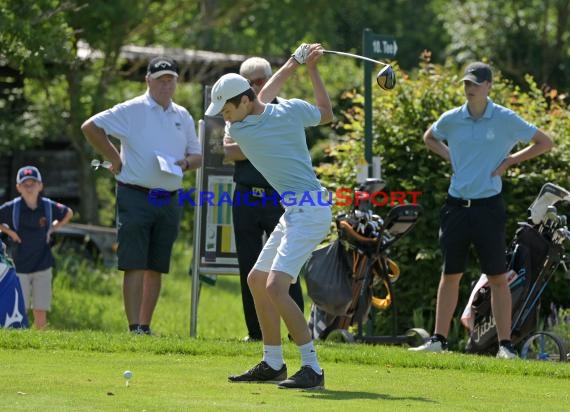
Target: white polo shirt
[{"x": 144, "y": 128}]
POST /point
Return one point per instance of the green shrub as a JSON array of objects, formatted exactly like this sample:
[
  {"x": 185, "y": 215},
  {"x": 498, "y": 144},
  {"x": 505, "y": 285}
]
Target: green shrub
[{"x": 562, "y": 328}]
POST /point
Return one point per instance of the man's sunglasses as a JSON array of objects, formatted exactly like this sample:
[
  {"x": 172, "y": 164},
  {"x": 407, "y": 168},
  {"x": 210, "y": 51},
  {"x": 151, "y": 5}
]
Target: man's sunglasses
[{"x": 96, "y": 164}]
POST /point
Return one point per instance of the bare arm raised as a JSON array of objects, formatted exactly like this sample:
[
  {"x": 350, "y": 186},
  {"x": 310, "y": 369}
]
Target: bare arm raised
[{"x": 308, "y": 54}]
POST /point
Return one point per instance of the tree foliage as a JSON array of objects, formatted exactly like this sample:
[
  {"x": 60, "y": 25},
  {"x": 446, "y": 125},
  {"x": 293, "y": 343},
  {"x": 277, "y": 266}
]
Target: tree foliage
[
  {"x": 56, "y": 82},
  {"x": 34, "y": 35},
  {"x": 68, "y": 54},
  {"x": 519, "y": 37},
  {"x": 275, "y": 27}
]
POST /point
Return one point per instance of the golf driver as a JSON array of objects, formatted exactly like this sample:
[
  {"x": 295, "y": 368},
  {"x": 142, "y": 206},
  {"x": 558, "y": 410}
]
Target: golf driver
[{"x": 386, "y": 78}]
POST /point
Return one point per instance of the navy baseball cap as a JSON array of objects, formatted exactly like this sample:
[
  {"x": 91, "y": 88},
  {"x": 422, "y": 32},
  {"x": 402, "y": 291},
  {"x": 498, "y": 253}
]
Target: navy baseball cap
[
  {"x": 160, "y": 66},
  {"x": 28, "y": 172},
  {"x": 478, "y": 73}
]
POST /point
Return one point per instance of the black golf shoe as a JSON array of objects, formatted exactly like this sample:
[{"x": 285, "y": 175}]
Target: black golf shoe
[
  {"x": 306, "y": 378},
  {"x": 261, "y": 373}
]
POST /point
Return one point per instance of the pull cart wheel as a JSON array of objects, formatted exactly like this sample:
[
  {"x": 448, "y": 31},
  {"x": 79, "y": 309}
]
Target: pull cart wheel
[{"x": 544, "y": 346}]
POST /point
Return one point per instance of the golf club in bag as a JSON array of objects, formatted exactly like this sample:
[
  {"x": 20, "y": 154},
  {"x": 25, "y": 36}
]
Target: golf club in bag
[
  {"x": 356, "y": 273},
  {"x": 537, "y": 250}
]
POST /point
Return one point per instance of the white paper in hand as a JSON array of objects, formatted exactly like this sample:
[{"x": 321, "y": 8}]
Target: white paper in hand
[{"x": 168, "y": 165}]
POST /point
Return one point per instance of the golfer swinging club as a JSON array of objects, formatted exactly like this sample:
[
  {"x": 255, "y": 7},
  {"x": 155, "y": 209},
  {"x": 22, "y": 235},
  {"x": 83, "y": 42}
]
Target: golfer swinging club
[{"x": 273, "y": 138}]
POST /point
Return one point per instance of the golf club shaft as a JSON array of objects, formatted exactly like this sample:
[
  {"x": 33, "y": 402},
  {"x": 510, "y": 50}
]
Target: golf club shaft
[{"x": 356, "y": 56}]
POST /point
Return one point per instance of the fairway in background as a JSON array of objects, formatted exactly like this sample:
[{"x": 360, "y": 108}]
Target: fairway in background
[{"x": 88, "y": 297}]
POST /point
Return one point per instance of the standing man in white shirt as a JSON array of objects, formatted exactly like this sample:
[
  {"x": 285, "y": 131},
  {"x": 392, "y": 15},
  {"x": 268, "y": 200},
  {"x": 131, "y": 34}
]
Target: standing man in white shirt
[{"x": 147, "y": 126}]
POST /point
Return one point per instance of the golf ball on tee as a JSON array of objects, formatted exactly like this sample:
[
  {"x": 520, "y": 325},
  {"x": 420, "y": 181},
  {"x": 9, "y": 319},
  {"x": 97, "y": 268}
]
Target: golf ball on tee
[{"x": 127, "y": 374}]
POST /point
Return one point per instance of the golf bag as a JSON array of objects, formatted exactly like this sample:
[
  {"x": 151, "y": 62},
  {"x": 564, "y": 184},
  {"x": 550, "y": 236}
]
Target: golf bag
[
  {"x": 12, "y": 305},
  {"x": 532, "y": 258},
  {"x": 327, "y": 274},
  {"x": 364, "y": 273}
]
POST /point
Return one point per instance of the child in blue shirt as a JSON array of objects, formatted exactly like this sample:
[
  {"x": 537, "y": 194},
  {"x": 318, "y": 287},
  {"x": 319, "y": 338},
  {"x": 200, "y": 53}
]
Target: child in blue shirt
[{"x": 29, "y": 221}]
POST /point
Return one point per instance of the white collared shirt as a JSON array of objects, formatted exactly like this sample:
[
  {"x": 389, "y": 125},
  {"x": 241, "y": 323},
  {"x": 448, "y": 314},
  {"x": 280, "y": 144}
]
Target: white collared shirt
[{"x": 144, "y": 128}]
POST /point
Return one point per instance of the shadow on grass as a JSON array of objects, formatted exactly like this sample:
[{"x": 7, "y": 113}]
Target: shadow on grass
[{"x": 351, "y": 395}]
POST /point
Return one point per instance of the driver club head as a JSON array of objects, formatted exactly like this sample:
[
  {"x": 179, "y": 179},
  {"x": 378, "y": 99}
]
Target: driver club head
[{"x": 386, "y": 78}]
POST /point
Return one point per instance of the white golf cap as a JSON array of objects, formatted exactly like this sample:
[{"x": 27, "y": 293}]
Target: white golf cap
[{"x": 227, "y": 86}]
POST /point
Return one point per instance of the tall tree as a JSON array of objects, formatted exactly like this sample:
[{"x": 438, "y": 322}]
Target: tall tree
[
  {"x": 68, "y": 52},
  {"x": 519, "y": 37},
  {"x": 34, "y": 35},
  {"x": 275, "y": 27}
]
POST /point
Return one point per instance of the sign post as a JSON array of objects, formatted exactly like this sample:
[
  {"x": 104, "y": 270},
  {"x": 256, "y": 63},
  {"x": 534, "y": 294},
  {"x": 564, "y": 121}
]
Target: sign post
[
  {"x": 377, "y": 47},
  {"x": 214, "y": 242}
]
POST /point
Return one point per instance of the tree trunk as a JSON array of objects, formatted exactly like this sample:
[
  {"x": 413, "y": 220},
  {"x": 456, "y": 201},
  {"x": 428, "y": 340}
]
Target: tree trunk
[{"x": 88, "y": 199}]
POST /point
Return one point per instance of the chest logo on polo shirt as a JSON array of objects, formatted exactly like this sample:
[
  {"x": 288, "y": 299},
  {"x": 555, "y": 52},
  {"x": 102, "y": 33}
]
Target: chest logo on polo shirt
[
  {"x": 178, "y": 125},
  {"x": 490, "y": 134}
]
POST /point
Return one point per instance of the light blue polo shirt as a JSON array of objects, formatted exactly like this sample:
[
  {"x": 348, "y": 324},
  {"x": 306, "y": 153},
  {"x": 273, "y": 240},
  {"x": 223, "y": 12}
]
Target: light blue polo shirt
[
  {"x": 275, "y": 143},
  {"x": 144, "y": 127},
  {"x": 477, "y": 147}
]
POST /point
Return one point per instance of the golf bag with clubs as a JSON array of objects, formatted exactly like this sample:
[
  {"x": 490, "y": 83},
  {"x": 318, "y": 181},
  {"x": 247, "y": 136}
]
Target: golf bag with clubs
[
  {"x": 536, "y": 251},
  {"x": 355, "y": 272}
]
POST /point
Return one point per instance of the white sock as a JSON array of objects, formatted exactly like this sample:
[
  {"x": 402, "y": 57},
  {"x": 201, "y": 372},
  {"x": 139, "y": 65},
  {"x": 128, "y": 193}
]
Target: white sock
[
  {"x": 273, "y": 356},
  {"x": 309, "y": 357}
]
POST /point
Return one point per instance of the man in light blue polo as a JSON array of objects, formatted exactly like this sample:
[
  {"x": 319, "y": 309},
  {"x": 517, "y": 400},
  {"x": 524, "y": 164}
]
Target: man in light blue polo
[
  {"x": 480, "y": 136},
  {"x": 272, "y": 137},
  {"x": 151, "y": 129}
]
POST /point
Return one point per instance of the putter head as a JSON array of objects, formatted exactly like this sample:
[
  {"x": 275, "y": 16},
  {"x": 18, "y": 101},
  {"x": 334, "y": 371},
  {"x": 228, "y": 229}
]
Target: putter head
[{"x": 386, "y": 78}]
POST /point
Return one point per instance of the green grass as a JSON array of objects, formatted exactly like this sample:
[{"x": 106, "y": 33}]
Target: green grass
[
  {"x": 77, "y": 364},
  {"x": 91, "y": 298},
  {"x": 52, "y": 371}
]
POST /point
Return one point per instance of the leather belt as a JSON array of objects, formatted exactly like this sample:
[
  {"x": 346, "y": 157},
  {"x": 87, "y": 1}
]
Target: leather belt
[
  {"x": 256, "y": 191},
  {"x": 146, "y": 189},
  {"x": 456, "y": 201}
]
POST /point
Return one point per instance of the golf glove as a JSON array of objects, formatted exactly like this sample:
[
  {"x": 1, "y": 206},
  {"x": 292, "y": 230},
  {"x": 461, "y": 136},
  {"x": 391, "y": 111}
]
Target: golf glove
[{"x": 301, "y": 53}]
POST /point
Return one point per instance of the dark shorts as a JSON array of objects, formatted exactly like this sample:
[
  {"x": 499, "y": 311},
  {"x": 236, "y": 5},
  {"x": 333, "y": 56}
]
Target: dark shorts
[
  {"x": 481, "y": 225},
  {"x": 146, "y": 233}
]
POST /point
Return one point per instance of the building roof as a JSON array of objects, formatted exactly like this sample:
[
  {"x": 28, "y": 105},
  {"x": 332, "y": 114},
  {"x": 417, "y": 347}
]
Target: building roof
[{"x": 195, "y": 65}]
